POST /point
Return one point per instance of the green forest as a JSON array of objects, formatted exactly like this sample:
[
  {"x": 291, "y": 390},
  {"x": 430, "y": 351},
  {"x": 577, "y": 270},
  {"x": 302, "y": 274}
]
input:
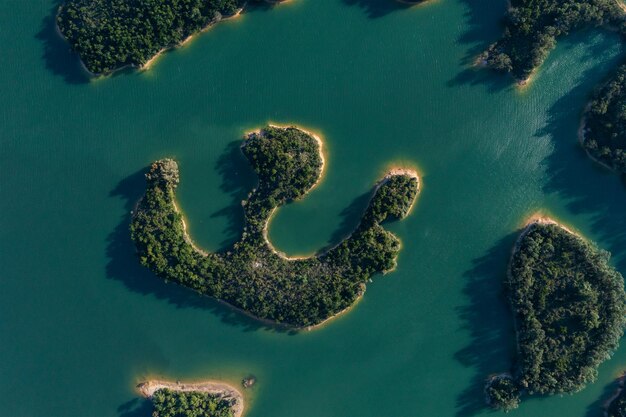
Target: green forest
[
  {"x": 605, "y": 123},
  {"x": 250, "y": 275},
  {"x": 111, "y": 34},
  {"x": 169, "y": 403},
  {"x": 570, "y": 311},
  {"x": 502, "y": 393}
]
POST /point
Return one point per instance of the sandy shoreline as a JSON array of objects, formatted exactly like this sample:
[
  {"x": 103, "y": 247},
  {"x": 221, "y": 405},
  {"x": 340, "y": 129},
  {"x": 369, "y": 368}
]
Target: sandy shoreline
[
  {"x": 392, "y": 171},
  {"x": 146, "y": 66},
  {"x": 224, "y": 390}
]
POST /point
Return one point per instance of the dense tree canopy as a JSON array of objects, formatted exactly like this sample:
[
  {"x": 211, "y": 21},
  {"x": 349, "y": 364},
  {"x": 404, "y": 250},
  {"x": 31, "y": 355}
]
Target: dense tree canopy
[
  {"x": 251, "y": 275},
  {"x": 110, "y": 34},
  {"x": 502, "y": 393},
  {"x": 569, "y": 306},
  {"x": 605, "y": 131},
  {"x": 170, "y": 403}
]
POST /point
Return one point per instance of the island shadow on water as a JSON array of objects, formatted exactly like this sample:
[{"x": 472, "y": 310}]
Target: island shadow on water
[
  {"x": 137, "y": 407},
  {"x": 596, "y": 409},
  {"x": 380, "y": 8},
  {"x": 489, "y": 321},
  {"x": 57, "y": 55},
  {"x": 484, "y": 22}
]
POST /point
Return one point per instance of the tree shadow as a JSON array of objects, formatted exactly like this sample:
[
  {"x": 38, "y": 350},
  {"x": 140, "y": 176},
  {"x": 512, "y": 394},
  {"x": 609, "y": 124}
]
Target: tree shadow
[
  {"x": 238, "y": 179},
  {"x": 137, "y": 407},
  {"x": 484, "y": 26},
  {"x": 350, "y": 218},
  {"x": 379, "y": 8},
  {"x": 124, "y": 266},
  {"x": 588, "y": 188},
  {"x": 489, "y": 322},
  {"x": 596, "y": 409},
  {"x": 57, "y": 54}
]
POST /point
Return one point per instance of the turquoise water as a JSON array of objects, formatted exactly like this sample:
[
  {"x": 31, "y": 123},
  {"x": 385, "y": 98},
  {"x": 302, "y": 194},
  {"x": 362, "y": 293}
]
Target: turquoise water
[{"x": 82, "y": 322}]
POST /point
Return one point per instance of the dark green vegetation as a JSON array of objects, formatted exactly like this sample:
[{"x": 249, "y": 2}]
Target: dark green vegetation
[
  {"x": 569, "y": 308},
  {"x": 169, "y": 403},
  {"x": 533, "y": 26},
  {"x": 532, "y": 29},
  {"x": 111, "y": 34},
  {"x": 251, "y": 275},
  {"x": 605, "y": 123},
  {"x": 617, "y": 406},
  {"x": 502, "y": 393}
]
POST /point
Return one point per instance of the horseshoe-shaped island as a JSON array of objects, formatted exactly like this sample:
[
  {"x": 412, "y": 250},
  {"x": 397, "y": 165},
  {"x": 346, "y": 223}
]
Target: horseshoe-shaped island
[{"x": 252, "y": 275}]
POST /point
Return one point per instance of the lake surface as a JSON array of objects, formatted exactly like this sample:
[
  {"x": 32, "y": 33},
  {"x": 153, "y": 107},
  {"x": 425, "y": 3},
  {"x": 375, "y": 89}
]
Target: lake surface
[{"x": 82, "y": 322}]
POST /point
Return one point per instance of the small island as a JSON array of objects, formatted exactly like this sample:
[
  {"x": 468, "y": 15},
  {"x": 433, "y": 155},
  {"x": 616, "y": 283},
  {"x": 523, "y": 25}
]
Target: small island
[
  {"x": 603, "y": 128},
  {"x": 569, "y": 308},
  {"x": 202, "y": 399},
  {"x": 251, "y": 275},
  {"x": 112, "y": 34},
  {"x": 616, "y": 405}
]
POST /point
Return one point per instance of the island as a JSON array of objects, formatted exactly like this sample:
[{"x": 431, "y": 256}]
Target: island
[
  {"x": 569, "y": 309},
  {"x": 603, "y": 127},
  {"x": 253, "y": 276},
  {"x": 202, "y": 399},
  {"x": 616, "y": 405},
  {"x": 112, "y": 34}
]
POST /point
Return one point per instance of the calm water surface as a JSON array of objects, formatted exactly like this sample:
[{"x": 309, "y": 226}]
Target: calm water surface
[{"x": 82, "y": 322}]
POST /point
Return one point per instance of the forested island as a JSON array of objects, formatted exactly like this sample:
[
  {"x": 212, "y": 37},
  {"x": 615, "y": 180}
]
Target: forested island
[
  {"x": 532, "y": 30},
  {"x": 251, "y": 275},
  {"x": 603, "y": 132},
  {"x": 616, "y": 406},
  {"x": 569, "y": 308},
  {"x": 112, "y": 34},
  {"x": 203, "y": 399}
]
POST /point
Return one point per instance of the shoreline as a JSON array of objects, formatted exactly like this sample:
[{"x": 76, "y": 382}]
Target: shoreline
[
  {"x": 320, "y": 144},
  {"x": 222, "y": 389}
]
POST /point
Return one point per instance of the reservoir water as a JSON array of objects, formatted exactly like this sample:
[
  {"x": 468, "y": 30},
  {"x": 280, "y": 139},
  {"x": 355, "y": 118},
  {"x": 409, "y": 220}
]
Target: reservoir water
[{"x": 82, "y": 322}]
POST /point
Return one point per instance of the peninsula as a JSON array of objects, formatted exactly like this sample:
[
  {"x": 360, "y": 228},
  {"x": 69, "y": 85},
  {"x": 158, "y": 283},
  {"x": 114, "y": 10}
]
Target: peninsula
[
  {"x": 532, "y": 30},
  {"x": 570, "y": 311},
  {"x": 202, "y": 399},
  {"x": 252, "y": 275},
  {"x": 112, "y": 34}
]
